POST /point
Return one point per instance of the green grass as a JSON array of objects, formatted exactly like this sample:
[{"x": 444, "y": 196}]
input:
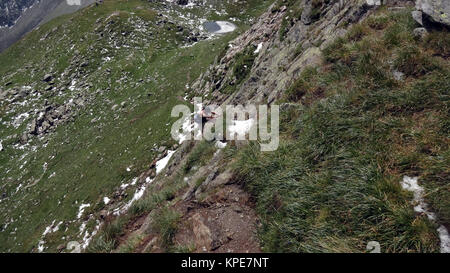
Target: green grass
[
  {"x": 242, "y": 66},
  {"x": 199, "y": 156},
  {"x": 165, "y": 224},
  {"x": 333, "y": 184}
]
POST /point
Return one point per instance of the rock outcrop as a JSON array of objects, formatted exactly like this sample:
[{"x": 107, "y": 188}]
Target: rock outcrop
[
  {"x": 436, "y": 11},
  {"x": 280, "y": 60}
]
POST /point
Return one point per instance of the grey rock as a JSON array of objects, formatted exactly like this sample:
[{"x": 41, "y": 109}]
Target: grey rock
[
  {"x": 33, "y": 127},
  {"x": 23, "y": 93},
  {"x": 306, "y": 14},
  {"x": 45, "y": 126},
  {"x": 417, "y": 16},
  {"x": 162, "y": 149},
  {"x": 103, "y": 214},
  {"x": 79, "y": 102},
  {"x": 436, "y": 10},
  {"x": 60, "y": 110},
  {"x": 47, "y": 78},
  {"x": 420, "y": 32},
  {"x": 24, "y": 138}
]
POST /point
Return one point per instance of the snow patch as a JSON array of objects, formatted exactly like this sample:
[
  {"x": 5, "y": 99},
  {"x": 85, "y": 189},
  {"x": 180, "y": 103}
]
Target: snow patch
[
  {"x": 161, "y": 164},
  {"x": 50, "y": 229},
  {"x": 225, "y": 27},
  {"x": 258, "y": 49},
  {"x": 410, "y": 184},
  {"x": 81, "y": 210},
  {"x": 219, "y": 27}
]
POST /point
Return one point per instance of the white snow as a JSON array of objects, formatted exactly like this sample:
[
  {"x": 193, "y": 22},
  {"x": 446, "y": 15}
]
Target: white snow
[
  {"x": 1, "y": 146},
  {"x": 410, "y": 184},
  {"x": 51, "y": 228},
  {"x": 72, "y": 87},
  {"x": 258, "y": 49},
  {"x": 81, "y": 209},
  {"x": 20, "y": 119},
  {"x": 41, "y": 246},
  {"x": 134, "y": 181},
  {"x": 106, "y": 200},
  {"x": 88, "y": 237},
  {"x": 445, "y": 239},
  {"x": 161, "y": 164},
  {"x": 225, "y": 27},
  {"x": 137, "y": 195}
]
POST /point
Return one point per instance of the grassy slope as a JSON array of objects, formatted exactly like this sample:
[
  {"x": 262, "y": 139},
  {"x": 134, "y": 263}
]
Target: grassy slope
[
  {"x": 89, "y": 160},
  {"x": 333, "y": 185}
]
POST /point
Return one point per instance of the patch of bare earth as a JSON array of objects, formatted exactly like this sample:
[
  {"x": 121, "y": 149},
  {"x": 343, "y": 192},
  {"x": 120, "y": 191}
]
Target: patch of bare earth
[{"x": 223, "y": 222}]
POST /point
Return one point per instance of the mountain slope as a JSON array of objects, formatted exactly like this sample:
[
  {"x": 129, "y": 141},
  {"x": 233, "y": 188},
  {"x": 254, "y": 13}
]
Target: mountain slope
[
  {"x": 85, "y": 107},
  {"x": 364, "y": 104},
  {"x": 363, "y": 95}
]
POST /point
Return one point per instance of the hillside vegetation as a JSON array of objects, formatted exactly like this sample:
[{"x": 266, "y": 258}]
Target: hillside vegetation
[{"x": 351, "y": 135}]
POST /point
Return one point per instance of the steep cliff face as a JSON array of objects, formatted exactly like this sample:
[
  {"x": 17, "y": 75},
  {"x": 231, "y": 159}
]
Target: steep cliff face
[{"x": 290, "y": 38}]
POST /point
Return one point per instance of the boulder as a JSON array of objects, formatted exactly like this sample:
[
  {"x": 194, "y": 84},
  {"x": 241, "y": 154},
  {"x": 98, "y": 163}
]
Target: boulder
[
  {"x": 162, "y": 149},
  {"x": 306, "y": 14},
  {"x": 417, "y": 16},
  {"x": 33, "y": 127},
  {"x": 47, "y": 78},
  {"x": 438, "y": 11},
  {"x": 420, "y": 32}
]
